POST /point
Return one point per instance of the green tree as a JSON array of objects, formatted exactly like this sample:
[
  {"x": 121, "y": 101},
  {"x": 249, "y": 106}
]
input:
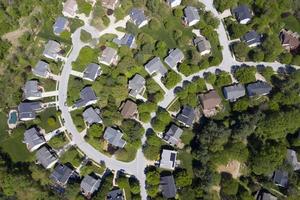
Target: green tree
[
  {"x": 245, "y": 74},
  {"x": 183, "y": 179},
  {"x": 241, "y": 50}
]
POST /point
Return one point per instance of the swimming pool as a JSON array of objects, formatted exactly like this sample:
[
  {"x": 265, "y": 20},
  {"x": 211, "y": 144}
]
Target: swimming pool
[{"x": 13, "y": 117}]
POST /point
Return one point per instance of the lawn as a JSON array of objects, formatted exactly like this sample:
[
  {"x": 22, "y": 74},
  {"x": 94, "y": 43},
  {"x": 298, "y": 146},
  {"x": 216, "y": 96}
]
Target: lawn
[
  {"x": 3, "y": 125},
  {"x": 91, "y": 168},
  {"x": 43, "y": 119},
  {"x": 84, "y": 7},
  {"x": 58, "y": 141},
  {"x": 186, "y": 161},
  {"x": 291, "y": 23},
  {"x": 78, "y": 119},
  {"x": 47, "y": 84},
  {"x": 72, "y": 156},
  {"x": 87, "y": 55},
  {"x": 127, "y": 154},
  {"x": 75, "y": 24}
]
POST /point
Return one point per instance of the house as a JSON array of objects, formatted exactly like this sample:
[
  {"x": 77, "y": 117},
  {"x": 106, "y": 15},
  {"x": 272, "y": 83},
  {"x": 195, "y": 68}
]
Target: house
[
  {"x": 41, "y": 69},
  {"x": 33, "y": 139},
  {"x": 290, "y": 41},
  {"x": 116, "y": 194},
  {"x": 61, "y": 175},
  {"x": 258, "y": 88},
  {"x": 61, "y": 24},
  {"x": 266, "y": 196},
  {"x": 136, "y": 85},
  {"x": 168, "y": 187},
  {"x": 137, "y": 16},
  {"x": 168, "y": 159},
  {"x": 210, "y": 102},
  {"x": 291, "y": 158},
  {"x": 52, "y": 50},
  {"x": 173, "y": 3},
  {"x": 69, "y": 8},
  {"x": 89, "y": 185},
  {"x": 202, "y": 45},
  {"x": 280, "y": 178},
  {"x": 127, "y": 40},
  {"x": 252, "y": 38},
  {"x": 32, "y": 90},
  {"x": 46, "y": 157},
  {"x": 172, "y": 136},
  {"x": 87, "y": 97},
  {"x": 175, "y": 56},
  {"x": 91, "y": 72},
  {"x": 109, "y": 56},
  {"x": 156, "y": 66},
  {"x": 191, "y": 16},
  {"x": 129, "y": 110},
  {"x": 114, "y": 137},
  {"x": 92, "y": 116},
  {"x": 27, "y": 110},
  {"x": 186, "y": 116},
  {"x": 110, "y": 4},
  {"x": 242, "y": 14},
  {"x": 234, "y": 92}
]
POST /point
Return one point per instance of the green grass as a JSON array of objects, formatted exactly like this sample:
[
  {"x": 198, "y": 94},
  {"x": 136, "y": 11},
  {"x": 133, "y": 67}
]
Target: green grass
[
  {"x": 75, "y": 24},
  {"x": 47, "y": 34},
  {"x": 78, "y": 119},
  {"x": 291, "y": 23},
  {"x": 3, "y": 125},
  {"x": 125, "y": 185},
  {"x": 186, "y": 161},
  {"x": 87, "y": 55},
  {"x": 74, "y": 86},
  {"x": 48, "y": 84},
  {"x": 58, "y": 141},
  {"x": 72, "y": 156},
  {"x": 84, "y": 7},
  {"x": 90, "y": 168},
  {"x": 127, "y": 154},
  {"x": 44, "y": 116}
]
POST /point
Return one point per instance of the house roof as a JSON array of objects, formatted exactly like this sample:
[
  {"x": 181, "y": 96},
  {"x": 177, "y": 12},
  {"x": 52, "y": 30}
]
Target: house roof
[
  {"x": 267, "y": 196},
  {"x": 281, "y": 178},
  {"x": 168, "y": 159},
  {"x": 175, "y": 56},
  {"x": 31, "y": 89},
  {"x": 46, "y": 157},
  {"x": 91, "y": 116},
  {"x": 156, "y": 66},
  {"x": 126, "y": 40},
  {"x": 202, "y": 44},
  {"x": 89, "y": 184},
  {"x": 41, "y": 69},
  {"x": 173, "y": 134},
  {"x": 210, "y": 100},
  {"x": 129, "y": 109},
  {"x": 115, "y": 195},
  {"x": 172, "y": 1},
  {"x": 60, "y": 25},
  {"x": 186, "y": 116},
  {"x": 70, "y": 7},
  {"x": 28, "y": 109},
  {"x": 136, "y": 85},
  {"x": 168, "y": 187},
  {"x": 86, "y": 96},
  {"x": 291, "y": 158},
  {"x": 114, "y": 137},
  {"x": 242, "y": 12},
  {"x": 33, "y": 138},
  {"x": 108, "y": 56},
  {"x": 191, "y": 13},
  {"x": 258, "y": 88},
  {"x": 289, "y": 39},
  {"x": 109, "y": 4},
  {"x": 252, "y": 37},
  {"x": 61, "y": 174},
  {"x": 234, "y": 92},
  {"x": 51, "y": 49},
  {"x": 91, "y": 71},
  {"x": 137, "y": 16}
]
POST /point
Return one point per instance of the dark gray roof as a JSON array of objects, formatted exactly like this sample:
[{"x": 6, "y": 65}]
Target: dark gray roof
[
  {"x": 114, "y": 137},
  {"x": 291, "y": 158},
  {"x": 91, "y": 116},
  {"x": 60, "y": 25},
  {"x": 27, "y": 110},
  {"x": 242, "y": 12},
  {"x": 31, "y": 90},
  {"x": 173, "y": 134},
  {"x": 202, "y": 44},
  {"x": 137, "y": 16},
  {"x": 89, "y": 185},
  {"x": 61, "y": 174},
  {"x": 267, "y": 196},
  {"x": 41, "y": 69},
  {"x": 115, "y": 195},
  {"x": 52, "y": 49},
  {"x": 46, "y": 157},
  {"x": 234, "y": 92},
  {"x": 186, "y": 116},
  {"x": 168, "y": 159},
  {"x": 156, "y": 66},
  {"x": 168, "y": 187},
  {"x": 252, "y": 37},
  {"x": 191, "y": 14},
  {"x": 281, "y": 178},
  {"x": 91, "y": 72},
  {"x": 126, "y": 40},
  {"x": 136, "y": 85},
  {"x": 258, "y": 88},
  {"x": 33, "y": 139},
  {"x": 87, "y": 95},
  {"x": 175, "y": 56}
]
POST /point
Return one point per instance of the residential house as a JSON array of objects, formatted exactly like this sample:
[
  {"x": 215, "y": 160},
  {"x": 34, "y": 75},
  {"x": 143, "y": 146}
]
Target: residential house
[
  {"x": 173, "y": 3},
  {"x": 266, "y": 196},
  {"x": 191, "y": 16},
  {"x": 27, "y": 110},
  {"x": 87, "y": 97},
  {"x": 92, "y": 116},
  {"x": 243, "y": 14},
  {"x": 258, "y": 88},
  {"x": 202, "y": 45},
  {"x": 109, "y": 56},
  {"x": 32, "y": 90},
  {"x": 46, "y": 157},
  {"x": 280, "y": 178},
  {"x": 137, "y": 16},
  {"x": 91, "y": 72},
  {"x": 234, "y": 92},
  {"x": 186, "y": 116},
  {"x": 110, "y": 4},
  {"x": 61, "y": 24},
  {"x": 127, "y": 40},
  {"x": 89, "y": 185},
  {"x": 61, "y": 175},
  {"x": 69, "y": 8},
  {"x": 41, "y": 69},
  {"x": 168, "y": 187},
  {"x": 290, "y": 41},
  {"x": 252, "y": 38},
  {"x": 210, "y": 102},
  {"x": 172, "y": 136},
  {"x": 114, "y": 137},
  {"x": 136, "y": 86},
  {"x": 129, "y": 110},
  {"x": 116, "y": 194},
  {"x": 175, "y": 56},
  {"x": 52, "y": 50},
  {"x": 156, "y": 66},
  {"x": 291, "y": 158},
  {"x": 168, "y": 159},
  {"x": 33, "y": 139}
]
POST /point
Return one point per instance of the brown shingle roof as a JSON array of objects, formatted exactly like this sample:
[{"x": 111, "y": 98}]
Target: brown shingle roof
[
  {"x": 210, "y": 100},
  {"x": 289, "y": 40},
  {"x": 129, "y": 109}
]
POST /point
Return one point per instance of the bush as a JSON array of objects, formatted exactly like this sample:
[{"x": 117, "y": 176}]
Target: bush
[
  {"x": 85, "y": 36},
  {"x": 171, "y": 79},
  {"x": 245, "y": 74},
  {"x": 223, "y": 79},
  {"x": 51, "y": 121}
]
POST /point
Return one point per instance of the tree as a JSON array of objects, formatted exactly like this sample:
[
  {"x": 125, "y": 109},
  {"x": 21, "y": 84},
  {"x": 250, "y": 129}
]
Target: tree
[
  {"x": 171, "y": 79},
  {"x": 223, "y": 79},
  {"x": 133, "y": 132},
  {"x": 51, "y": 121},
  {"x": 245, "y": 74},
  {"x": 229, "y": 186},
  {"x": 85, "y": 36},
  {"x": 153, "y": 177},
  {"x": 210, "y": 78},
  {"x": 272, "y": 47},
  {"x": 237, "y": 30},
  {"x": 241, "y": 50},
  {"x": 96, "y": 131},
  {"x": 222, "y": 5},
  {"x": 257, "y": 55},
  {"x": 183, "y": 179},
  {"x": 241, "y": 105},
  {"x": 285, "y": 58},
  {"x": 178, "y": 12}
]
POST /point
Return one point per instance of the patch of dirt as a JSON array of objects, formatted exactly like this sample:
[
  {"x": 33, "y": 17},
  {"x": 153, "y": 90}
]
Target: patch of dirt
[
  {"x": 13, "y": 36},
  {"x": 233, "y": 168}
]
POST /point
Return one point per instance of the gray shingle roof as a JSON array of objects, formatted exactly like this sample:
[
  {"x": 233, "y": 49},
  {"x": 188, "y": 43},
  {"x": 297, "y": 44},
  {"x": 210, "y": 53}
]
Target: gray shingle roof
[
  {"x": 114, "y": 137},
  {"x": 202, "y": 44},
  {"x": 156, "y": 66},
  {"x": 33, "y": 139},
  {"x": 175, "y": 56},
  {"x": 258, "y": 88},
  {"x": 46, "y": 157},
  {"x": 27, "y": 110},
  {"x": 87, "y": 97},
  {"x": 168, "y": 159},
  {"x": 52, "y": 49},
  {"x": 186, "y": 116},
  {"x": 31, "y": 90},
  {"x": 291, "y": 158},
  {"x": 41, "y": 69},
  {"x": 251, "y": 38},
  {"x": 173, "y": 135},
  {"x": 91, "y": 116},
  {"x": 89, "y": 185},
  {"x": 234, "y": 92},
  {"x": 168, "y": 187},
  {"x": 115, "y": 195},
  {"x": 242, "y": 12},
  {"x": 126, "y": 40},
  {"x": 61, "y": 174},
  {"x": 60, "y": 25},
  {"x": 108, "y": 56},
  {"x": 91, "y": 72},
  {"x": 281, "y": 178},
  {"x": 191, "y": 14},
  {"x": 137, "y": 16},
  {"x": 136, "y": 85}
]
